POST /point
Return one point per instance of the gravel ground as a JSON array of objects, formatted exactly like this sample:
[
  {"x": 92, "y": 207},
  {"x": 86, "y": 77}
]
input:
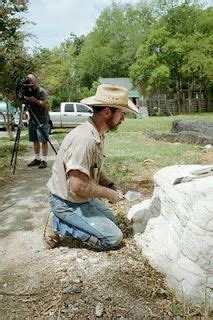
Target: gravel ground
[{"x": 71, "y": 281}]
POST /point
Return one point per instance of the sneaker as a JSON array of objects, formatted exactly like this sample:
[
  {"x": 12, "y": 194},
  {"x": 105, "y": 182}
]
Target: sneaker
[
  {"x": 93, "y": 243},
  {"x": 51, "y": 236},
  {"x": 33, "y": 163},
  {"x": 42, "y": 165}
]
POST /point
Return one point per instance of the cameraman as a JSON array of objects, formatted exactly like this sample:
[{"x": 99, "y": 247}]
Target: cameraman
[{"x": 38, "y": 110}]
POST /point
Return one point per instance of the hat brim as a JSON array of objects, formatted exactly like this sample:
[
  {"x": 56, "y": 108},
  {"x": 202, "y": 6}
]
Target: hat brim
[{"x": 91, "y": 101}]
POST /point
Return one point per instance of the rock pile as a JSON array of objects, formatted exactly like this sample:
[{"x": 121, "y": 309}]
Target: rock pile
[
  {"x": 175, "y": 231},
  {"x": 187, "y": 131}
]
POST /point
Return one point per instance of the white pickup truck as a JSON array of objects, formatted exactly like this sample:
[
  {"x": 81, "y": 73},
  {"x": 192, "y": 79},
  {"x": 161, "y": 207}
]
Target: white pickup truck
[{"x": 70, "y": 114}]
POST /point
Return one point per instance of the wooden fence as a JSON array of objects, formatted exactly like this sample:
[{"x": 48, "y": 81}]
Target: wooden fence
[{"x": 170, "y": 107}]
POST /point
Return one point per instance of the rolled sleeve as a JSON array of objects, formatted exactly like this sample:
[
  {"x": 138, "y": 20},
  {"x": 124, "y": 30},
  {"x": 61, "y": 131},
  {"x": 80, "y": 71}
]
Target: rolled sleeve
[
  {"x": 72, "y": 166},
  {"x": 81, "y": 157}
]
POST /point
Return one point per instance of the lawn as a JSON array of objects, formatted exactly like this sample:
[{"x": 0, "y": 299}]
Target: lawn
[
  {"x": 6, "y": 150},
  {"x": 131, "y": 156}
]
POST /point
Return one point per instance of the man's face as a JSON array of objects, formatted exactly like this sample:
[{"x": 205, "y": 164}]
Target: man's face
[
  {"x": 115, "y": 119},
  {"x": 32, "y": 80}
]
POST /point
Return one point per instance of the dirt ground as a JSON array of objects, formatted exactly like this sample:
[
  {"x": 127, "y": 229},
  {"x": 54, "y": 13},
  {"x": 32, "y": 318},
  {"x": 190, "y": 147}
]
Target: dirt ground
[{"x": 72, "y": 281}]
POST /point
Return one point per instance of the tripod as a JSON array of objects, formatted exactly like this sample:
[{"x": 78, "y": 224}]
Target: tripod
[{"x": 18, "y": 135}]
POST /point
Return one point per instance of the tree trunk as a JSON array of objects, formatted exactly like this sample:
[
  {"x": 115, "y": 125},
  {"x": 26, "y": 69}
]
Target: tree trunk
[
  {"x": 178, "y": 96},
  {"x": 9, "y": 129},
  {"x": 199, "y": 99},
  {"x": 168, "y": 109},
  {"x": 189, "y": 98},
  {"x": 181, "y": 96}
]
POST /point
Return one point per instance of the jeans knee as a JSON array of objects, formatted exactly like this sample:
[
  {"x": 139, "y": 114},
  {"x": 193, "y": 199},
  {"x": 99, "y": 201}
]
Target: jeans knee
[
  {"x": 119, "y": 238},
  {"x": 113, "y": 240}
]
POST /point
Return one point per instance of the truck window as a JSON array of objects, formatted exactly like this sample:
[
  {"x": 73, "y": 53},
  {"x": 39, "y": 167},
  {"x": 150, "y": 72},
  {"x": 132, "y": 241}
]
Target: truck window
[
  {"x": 82, "y": 108},
  {"x": 69, "y": 107}
]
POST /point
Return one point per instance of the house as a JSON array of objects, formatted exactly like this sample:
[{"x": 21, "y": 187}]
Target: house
[
  {"x": 134, "y": 95},
  {"x": 126, "y": 83}
]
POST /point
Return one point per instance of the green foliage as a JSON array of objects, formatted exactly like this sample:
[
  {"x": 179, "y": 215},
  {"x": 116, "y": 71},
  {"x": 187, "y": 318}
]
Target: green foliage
[
  {"x": 14, "y": 61},
  {"x": 159, "y": 78},
  {"x": 110, "y": 49},
  {"x": 176, "y": 310},
  {"x": 58, "y": 73},
  {"x": 176, "y": 51},
  {"x": 163, "y": 46}
]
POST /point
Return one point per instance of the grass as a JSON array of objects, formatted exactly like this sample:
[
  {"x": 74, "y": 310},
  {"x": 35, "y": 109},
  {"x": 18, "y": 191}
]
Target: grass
[
  {"x": 129, "y": 152},
  {"x": 59, "y": 134},
  {"x": 6, "y": 149},
  {"x": 160, "y": 123}
]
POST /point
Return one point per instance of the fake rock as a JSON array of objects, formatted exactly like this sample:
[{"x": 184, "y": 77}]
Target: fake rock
[{"x": 175, "y": 231}]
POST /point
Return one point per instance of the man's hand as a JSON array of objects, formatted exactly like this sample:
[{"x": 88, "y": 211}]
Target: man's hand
[
  {"x": 31, "y": 99},
  {"x": 41, "y": 103},
  {"x": 115, "y": 196}
]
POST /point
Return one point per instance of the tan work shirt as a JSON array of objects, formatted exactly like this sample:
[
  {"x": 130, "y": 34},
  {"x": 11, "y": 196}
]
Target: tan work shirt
[{"x": 81, "y": 149}]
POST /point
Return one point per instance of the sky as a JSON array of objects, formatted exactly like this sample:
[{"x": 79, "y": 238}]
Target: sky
[{"x": 56, "y": 19}]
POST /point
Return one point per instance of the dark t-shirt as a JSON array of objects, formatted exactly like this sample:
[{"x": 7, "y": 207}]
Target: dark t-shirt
[{"x": 40, "y": 112}]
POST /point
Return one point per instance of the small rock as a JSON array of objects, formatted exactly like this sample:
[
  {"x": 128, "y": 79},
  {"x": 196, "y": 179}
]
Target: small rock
[
  {"x": 148, "y": 160},
  {"x": 76, "y": 304},
  {"x": 99, "y": 309},
  {"x": 207, "y": 146},
  {"x": 71, "y": 289},
  {"x": 77, "y": 281}
]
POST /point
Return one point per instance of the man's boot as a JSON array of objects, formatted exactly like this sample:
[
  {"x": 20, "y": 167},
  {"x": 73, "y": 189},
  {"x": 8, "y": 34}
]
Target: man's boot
[{"x": 51, "y": 236}]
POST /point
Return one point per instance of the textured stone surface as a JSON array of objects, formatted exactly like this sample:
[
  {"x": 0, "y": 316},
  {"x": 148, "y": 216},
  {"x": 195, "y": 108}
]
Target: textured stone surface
[
  {"x": 175, "y": 231},
  {"x": 187, "y": 131}
]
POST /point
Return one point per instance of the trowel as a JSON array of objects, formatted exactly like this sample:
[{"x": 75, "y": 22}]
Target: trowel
[
  {"x": 132, "y": 195},
  {"x": 197, "y": 174}
]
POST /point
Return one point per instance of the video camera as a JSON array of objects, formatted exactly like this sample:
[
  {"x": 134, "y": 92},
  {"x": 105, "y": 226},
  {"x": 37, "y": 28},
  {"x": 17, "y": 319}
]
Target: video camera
[{"x": 24, "y": 88}]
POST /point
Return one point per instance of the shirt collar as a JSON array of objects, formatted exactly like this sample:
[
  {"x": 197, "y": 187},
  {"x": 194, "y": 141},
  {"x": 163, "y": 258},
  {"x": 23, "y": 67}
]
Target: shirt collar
[{"x": 98, "y": 137}]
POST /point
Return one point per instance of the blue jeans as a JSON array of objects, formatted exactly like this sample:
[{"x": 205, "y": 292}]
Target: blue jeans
[
  {"x": 83, "y": 220},
  {"x": 37, "y": 134}
]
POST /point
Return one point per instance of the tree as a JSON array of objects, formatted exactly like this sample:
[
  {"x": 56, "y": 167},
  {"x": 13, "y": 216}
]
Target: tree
[
  {"x": 176, "y": 52},
  {"x": 13, "y": 57},
  {"x": 110, "y": 48},
  {"x": 57, "y": 71}
]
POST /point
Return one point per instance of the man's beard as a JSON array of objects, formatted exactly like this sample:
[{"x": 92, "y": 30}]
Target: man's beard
[{"x": 111, "y": 125}]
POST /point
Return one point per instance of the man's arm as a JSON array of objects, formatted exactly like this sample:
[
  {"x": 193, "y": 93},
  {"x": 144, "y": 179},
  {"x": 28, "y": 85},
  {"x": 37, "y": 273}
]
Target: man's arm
[
  {"x": 81, "y": 186},
  {"x": 106, "y": 182},
  {"x": 40, "y": 103}
]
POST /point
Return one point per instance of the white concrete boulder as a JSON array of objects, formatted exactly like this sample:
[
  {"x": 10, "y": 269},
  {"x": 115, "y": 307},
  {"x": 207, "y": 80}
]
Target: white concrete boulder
[{"x": 175, "y": 231}]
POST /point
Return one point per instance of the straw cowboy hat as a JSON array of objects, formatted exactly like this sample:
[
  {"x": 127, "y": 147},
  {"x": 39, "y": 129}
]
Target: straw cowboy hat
[{"x": 111, "y": 96}]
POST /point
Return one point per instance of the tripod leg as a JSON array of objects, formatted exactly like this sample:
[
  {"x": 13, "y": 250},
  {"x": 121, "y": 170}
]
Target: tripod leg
[
  {"x": 15, "y": 150},
  {"x": 15, "y": 160}
]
